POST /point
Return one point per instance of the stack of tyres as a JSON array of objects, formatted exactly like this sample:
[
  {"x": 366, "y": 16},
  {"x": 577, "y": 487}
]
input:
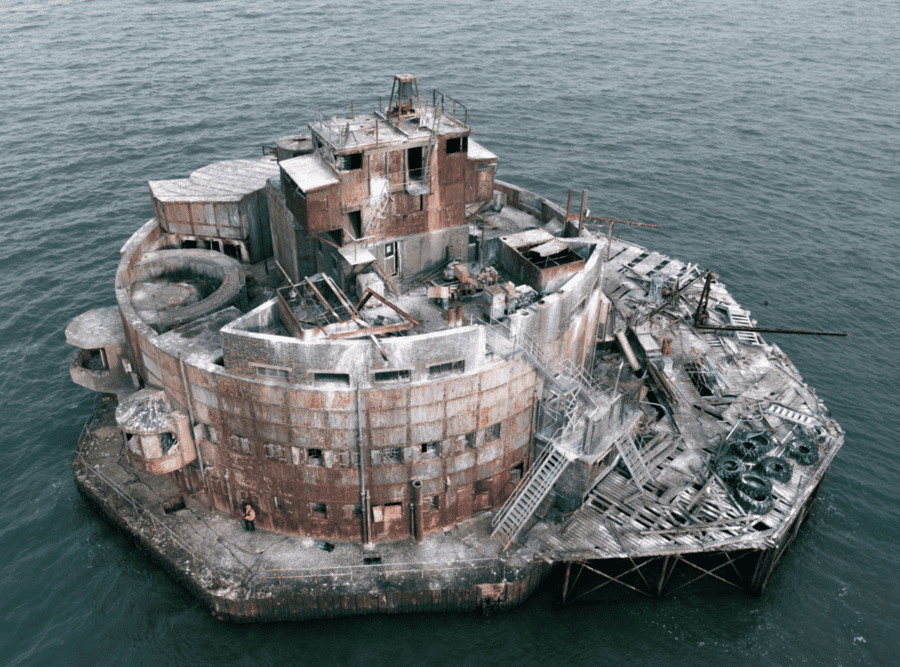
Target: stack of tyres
[{"x": 748, "y": 472}]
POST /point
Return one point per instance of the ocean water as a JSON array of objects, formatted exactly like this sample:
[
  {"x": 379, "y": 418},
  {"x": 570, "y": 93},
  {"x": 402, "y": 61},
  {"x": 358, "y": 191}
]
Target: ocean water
[{"x": 762, "y": 136}]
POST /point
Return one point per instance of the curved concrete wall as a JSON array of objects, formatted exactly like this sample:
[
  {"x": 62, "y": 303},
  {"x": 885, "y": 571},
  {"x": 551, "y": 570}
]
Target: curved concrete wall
[{"x": 336, "y": 462}]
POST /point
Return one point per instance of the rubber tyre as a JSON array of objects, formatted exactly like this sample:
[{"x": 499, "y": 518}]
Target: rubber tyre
[
  {"x": 754, "y": 485},
  {"x": 752, "y": 505},
  {"x": 748, "y": 449},
  {"x": 803, "y": 451},
  {"x": 775, "y": 467},
  {"x": 729, "y": 468}
]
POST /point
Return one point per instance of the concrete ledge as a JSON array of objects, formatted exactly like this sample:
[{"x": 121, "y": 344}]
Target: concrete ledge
[
  {"x": 260, "y": 576},
  {"x": 227, "y": 272}
]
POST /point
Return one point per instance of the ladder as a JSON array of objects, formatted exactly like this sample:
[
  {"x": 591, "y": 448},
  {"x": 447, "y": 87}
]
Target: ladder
[
  {"x": 791, "y": 415},
  {"x": 740, "y": 318},
  {"x": 633, "y": 461},
  {"x": 430, "y": 149},
  {"x": 373, "y": 224},
  {"x": 524, "y": 501}
]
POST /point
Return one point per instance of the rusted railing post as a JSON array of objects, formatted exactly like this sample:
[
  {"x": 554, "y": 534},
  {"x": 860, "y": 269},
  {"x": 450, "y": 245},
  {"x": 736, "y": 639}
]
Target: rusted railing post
[{"x": 418, "y": 527}]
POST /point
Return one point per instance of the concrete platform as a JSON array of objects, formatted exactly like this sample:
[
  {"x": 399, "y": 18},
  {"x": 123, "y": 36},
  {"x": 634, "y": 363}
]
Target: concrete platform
[{"x": 261, "y": 576}]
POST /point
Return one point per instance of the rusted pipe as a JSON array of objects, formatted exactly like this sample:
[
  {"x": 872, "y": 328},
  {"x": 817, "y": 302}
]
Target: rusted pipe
[
  {"x": 604, "y": 318},
  {"x": 451, "y": 316},
  {"x": 627, "y": 351},
  {"x": 418, "y": 527}
]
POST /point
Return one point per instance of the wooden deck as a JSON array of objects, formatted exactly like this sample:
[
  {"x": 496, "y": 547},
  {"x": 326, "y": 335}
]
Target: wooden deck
[{"x": 686, "y": 508}]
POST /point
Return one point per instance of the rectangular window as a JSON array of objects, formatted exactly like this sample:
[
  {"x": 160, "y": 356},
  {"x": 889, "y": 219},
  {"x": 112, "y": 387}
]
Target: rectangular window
[
  {"x": 274, "y": 452},
  {"x": 414, "y": 162},
  {"x": 447, "y": 368},
  {"x": 431, "y": 450},
  {"x": 314, "y": 457},
  {"x": 240, "y": 444},
  {"x": 470, "y": 440},
  {"x": 355, "y": 218},
  {"x": 435, "y": 502},
  {"x": 352, "y": 161},
  {"x": 516, "y": 472},
  {"x": 339, "y": 378},
  {"x": 392, "y": 376},
  {"x": 318, "y": 510},
  {"x": 457, "y": 145},
  {"x": 279, "y": 504},
  {"x": 492, "y": 432},
  {"x": 392, "y": 456},
  {"x": 272, "y": 371}
]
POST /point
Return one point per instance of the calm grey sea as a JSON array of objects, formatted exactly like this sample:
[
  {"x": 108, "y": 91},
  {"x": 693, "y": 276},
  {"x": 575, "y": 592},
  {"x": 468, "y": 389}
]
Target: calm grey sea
[{"x": 763, "y": 136}]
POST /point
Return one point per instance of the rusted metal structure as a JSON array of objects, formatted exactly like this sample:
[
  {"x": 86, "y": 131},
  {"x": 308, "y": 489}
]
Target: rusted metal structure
[{"x": 431, "y": 386}]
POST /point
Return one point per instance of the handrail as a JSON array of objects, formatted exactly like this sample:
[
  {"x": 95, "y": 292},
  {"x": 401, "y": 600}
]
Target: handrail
[
  {"x": 140, "y": 509},
  {"x": 535, "y": 466}
]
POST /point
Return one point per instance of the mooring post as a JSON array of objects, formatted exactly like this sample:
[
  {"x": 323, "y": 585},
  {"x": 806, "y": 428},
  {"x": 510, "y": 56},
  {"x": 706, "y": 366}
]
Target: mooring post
[{"x": 565, "y": 587}]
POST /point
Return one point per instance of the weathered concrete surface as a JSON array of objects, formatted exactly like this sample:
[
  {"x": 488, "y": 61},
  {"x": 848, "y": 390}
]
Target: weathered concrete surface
[{"x": 261, "y": 576}]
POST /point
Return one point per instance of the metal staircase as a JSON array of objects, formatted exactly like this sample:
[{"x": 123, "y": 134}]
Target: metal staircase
[
  {"x": 640, "y": 474},
  {"x": 572, "y": 397},
  {"x": 523, "y": 503}
]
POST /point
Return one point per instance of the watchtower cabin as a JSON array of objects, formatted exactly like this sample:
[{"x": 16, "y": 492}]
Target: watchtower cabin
[{"x": 390, "y": 187}]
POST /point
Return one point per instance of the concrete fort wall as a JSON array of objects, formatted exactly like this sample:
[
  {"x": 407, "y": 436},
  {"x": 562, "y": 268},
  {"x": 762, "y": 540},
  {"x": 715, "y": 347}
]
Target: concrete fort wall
[
  {"x": 334, "y": 458},
  {"x": 297, "y": 451}
]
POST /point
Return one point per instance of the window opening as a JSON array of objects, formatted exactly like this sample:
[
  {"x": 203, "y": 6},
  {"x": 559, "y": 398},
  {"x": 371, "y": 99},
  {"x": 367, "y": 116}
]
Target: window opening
[
  {"x": 470, "y": 440},
  {"x": 319, "y": 510},
  {"x": 516, "y": 472},
  {"x": 274, "y": 452},
  {"x": 492, "y": 432},
  {"x": 447, "y": 368},
  {"x": 314, "y": 457},
  {"x": 352, "y": 161},
  {"x": 392, "y": 376},
  {"x": 342, "y": 378},
  {"x": 167, "y": 441},
  {"x": 391, "y": 456},
  {"x": 435, "y": 502},
  {"x": 279, "y": 505},
  {"x": 356, "y": 223},
  {"x": 240, "y": 444},
  {"x": 431, "y": 450},
  {"x": 457, "y": 145},
  {"x": 414, "y": 163},
  {"x": 271, "y": 371},
  {"x": 231, "y": 250}
]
